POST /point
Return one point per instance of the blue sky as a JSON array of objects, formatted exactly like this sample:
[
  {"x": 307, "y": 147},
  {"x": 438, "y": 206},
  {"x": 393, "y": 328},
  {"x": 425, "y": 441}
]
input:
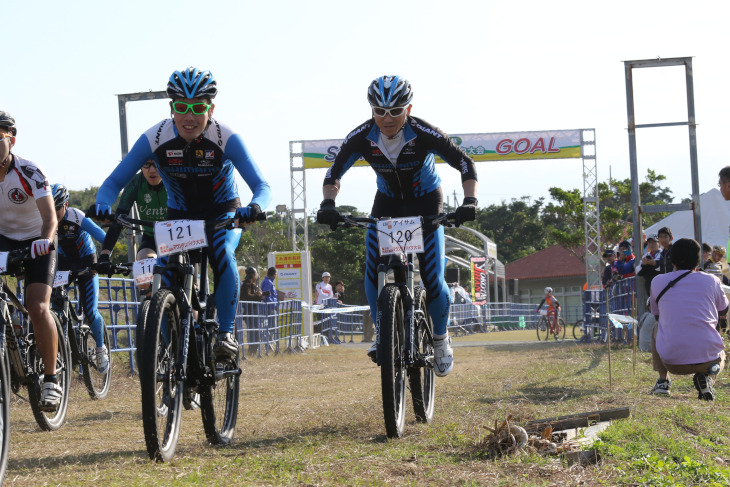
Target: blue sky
[{"x": 300, "y": 70}]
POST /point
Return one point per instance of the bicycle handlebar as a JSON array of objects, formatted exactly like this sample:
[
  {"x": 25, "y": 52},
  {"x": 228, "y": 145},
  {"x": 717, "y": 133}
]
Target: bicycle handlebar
[
  {"x": 228, "y": 223},
  {"x": 445, "y": 219}
]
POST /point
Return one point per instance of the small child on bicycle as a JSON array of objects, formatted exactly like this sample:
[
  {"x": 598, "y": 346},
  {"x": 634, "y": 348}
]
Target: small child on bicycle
[{"x": 553, "y": 309}]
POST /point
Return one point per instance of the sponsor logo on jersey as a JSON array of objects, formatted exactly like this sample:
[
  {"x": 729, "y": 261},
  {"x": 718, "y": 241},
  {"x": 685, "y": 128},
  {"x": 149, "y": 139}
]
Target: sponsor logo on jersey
[
  {"x": 355, "y": 132},
  {"x": 199, "y": 154},
  {"x": 174, "y": 153},
  {"x": 147, "y": 197},
  {"x": 17, "y": 196},
  {"x": 174, "y": 162},
  {"x": 209, "y": 154}
]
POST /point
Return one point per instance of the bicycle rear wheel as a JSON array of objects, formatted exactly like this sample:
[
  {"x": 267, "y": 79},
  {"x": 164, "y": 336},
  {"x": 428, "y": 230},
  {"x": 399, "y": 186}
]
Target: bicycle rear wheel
[
  {"x": 142, "y": 312},
  {"x": 219, "y": 402},
  {"x": 421, "y": 377},
  {"x": 50, "y": 420},
  {"x": 162, "y": 392},
  {"x": 543, "y": 330},
  {"x": 578, "y": 330},
  {"x": 97, "y": 383},
  {"x": 390, "y": 357}
]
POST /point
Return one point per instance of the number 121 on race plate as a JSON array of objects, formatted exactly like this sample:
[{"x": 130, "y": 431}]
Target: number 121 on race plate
[
  {"x": 400, "y": 235},
  {"x": 178, "y": 235}
]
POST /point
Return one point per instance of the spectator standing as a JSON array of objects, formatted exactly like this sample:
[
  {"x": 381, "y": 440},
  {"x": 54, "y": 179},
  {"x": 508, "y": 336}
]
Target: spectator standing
[
  {"x": 687, "y": 305},
  {"x": 626, "y": 259},
  {"x": 712, "y": 264},
  {"x": 610, "y": 256},
  {"x": 706, "y": 253},
  {"x": 339, "y": 291},
  {"x": 323, "y": 290},
  {"x": 268, "y": 288},
  {"x": 250, "y": 293},
  {"x": 665, "y": 240},
  {"x": 648, "y": 268}
]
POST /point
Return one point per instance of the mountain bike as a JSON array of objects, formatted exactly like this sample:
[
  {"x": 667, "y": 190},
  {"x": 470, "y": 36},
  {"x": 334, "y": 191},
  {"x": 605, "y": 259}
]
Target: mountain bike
[
  {"x": 24, "y": 362},
  {"x": 405, "y": 328},
  {"x": 78, "y": 333},
  {"x": 178, "y": 367},
  {"x": 550, "y": 326}
]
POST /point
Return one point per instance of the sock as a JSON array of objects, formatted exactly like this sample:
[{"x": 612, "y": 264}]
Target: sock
[{"x": 50, "y": 378}]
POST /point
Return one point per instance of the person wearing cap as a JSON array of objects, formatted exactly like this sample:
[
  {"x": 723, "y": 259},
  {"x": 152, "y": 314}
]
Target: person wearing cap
[
  {"x": 648, "y": 268},
  {"x": 626, "y": 259},
  {"x": 30, "y": 220},
  {"x": 610, "y": 256},
  {"x": 323, "y": 290}
]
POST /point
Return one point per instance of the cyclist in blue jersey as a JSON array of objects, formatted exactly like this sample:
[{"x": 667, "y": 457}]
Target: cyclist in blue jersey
[
  {"x": 402, "y": 151},
  {"x": 196, "y": 155},
  {"x": 76, "y": 250}
]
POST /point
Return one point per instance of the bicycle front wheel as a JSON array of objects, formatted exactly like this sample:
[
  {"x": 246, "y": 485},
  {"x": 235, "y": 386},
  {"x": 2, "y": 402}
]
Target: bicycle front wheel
[
  {"x": 4, "y": 414},
  {"x": 543, "y": 330},
  {"x": 50, "y": 420},
  {"x": 560, "y": 329},
  {"x": 162, "y": 392},
  {"x": 390, "y": 356},
  {"x": 421, "y": 376},
  {"x": 578, "y": 330},
  {"x": 97, "y": 383}
]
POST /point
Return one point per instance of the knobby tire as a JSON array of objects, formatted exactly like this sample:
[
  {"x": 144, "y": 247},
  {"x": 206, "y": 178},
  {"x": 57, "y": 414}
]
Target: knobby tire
[
  {"x": 97, "y": 383},
  {"x": 162, "y": 393},
  {"x": 390, "y": 353},
  {"x": 421, "y": 379}
]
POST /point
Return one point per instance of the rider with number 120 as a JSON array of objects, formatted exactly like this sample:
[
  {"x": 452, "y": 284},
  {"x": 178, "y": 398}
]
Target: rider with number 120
[
  {"x": 402, "y": 151},
  {"x": 196, "y": 156}
]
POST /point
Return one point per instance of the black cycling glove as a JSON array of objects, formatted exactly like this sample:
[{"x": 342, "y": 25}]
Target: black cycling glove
[
  {"x": 248, "y": 214},
  {"x": 105, "y": 266},
  {"x": 467, "y": 212},
  {"x": 327, "y": 214}
]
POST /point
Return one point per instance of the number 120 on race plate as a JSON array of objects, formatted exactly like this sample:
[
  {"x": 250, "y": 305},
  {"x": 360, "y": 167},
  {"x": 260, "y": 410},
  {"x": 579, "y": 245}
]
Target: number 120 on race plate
[{"x": 400, "y": 235}]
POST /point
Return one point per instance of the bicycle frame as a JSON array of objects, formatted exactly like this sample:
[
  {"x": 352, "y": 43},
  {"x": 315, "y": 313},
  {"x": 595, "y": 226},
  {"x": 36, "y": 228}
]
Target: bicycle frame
[{"x": 17, "y": 346}]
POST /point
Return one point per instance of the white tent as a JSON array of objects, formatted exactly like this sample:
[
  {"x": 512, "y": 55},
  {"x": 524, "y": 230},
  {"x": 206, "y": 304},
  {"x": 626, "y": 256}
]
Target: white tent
[{"x": 715, "y": 220}]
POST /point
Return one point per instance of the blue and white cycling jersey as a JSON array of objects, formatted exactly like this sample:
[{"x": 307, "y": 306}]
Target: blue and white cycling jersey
[
  {"x": 74, "y": 235},
  {"x": 198, "y": 175}
]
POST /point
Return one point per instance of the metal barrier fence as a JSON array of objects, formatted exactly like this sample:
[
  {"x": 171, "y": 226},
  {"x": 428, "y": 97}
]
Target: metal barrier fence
[
  {"x": 597, "y": 308},
  {"x": 268, "y": 328}
]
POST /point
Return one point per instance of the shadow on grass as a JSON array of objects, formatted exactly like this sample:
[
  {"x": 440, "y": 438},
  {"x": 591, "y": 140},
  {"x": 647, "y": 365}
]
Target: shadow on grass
[{"x": 48, "y": 462}]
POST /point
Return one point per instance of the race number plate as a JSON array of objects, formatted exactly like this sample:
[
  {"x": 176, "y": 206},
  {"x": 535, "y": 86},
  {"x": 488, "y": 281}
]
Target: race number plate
[
  {"x": 61, "y": 278},
  {"x": 400, "y": 235},
  {"x": 177, "y": 235},
  {"x": 143, "y": 270},
  {"x": 3, "y": 261}
]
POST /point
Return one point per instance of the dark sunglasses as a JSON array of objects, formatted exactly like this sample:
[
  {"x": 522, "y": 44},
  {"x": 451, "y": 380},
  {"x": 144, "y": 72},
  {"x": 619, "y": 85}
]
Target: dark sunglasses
[{"x": 182, "y": 108}]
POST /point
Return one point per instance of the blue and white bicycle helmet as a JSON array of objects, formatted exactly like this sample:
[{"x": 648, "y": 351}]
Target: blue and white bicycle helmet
[
  {"x": 60, "y": 195},
  {"x": 192, "y": 83},
  {"x": 390, "y": 91}
]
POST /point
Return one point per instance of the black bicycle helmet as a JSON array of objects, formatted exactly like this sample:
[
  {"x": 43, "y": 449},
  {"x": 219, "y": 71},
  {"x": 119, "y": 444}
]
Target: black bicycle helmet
[
  {"x": 60, "y": 195},
  {"x": 192, "y": 83},
  {"x": 390, "y": 91},
  {"x": 8, "y": 122}
]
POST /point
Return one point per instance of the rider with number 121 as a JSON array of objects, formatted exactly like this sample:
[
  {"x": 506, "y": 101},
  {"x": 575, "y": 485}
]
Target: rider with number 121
[
  {"x": 402, "y": 150},
  {"x": 196, "y": 155},
  {"x": 29, "y": 220}
]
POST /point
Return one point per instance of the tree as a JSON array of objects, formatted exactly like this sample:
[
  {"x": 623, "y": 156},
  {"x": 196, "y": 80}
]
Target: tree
[
  {"x": 515, "y": 227},
  {"x": 565, "y": 216},
  {"x": 258, "y": 240}
]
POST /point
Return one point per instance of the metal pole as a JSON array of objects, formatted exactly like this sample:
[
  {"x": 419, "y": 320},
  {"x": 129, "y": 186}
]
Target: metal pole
[{"x": 693, "y": 150}]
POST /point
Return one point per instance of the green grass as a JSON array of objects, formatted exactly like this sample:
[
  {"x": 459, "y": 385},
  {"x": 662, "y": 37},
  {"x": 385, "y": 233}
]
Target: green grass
[{"x": 316, "y": 419}]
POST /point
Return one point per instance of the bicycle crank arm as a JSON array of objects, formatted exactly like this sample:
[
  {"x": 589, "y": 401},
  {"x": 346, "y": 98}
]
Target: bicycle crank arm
[{"x": 227, "y": 373}]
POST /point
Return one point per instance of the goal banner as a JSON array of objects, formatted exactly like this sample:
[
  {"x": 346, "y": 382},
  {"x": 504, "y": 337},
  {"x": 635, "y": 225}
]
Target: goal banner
[{"x": 503, "y": 146}]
